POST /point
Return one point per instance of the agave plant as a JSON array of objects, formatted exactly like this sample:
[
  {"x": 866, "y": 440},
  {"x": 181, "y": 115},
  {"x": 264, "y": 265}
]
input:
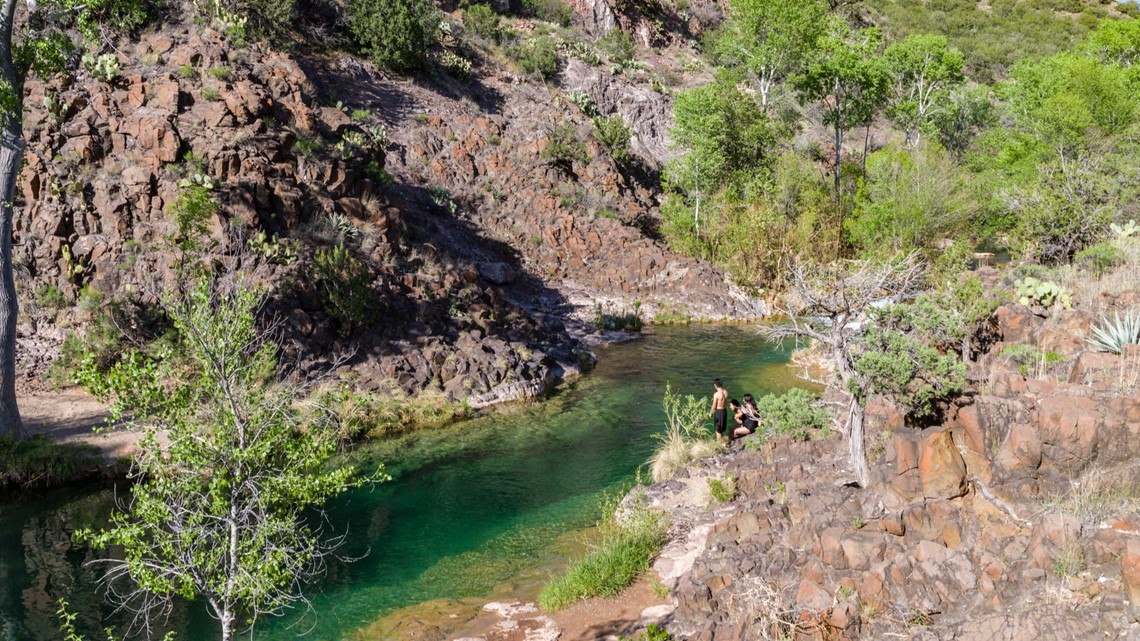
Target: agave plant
[{"x": 1112, "y": 336}]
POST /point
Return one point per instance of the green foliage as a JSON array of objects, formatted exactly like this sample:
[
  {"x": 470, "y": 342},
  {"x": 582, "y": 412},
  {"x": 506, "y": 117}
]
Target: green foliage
[
  {"x": 537, "y": 57},
  {"x": 193, "y": 213},
  {"x": 924, "y": 69},
  {"x": 1028, "y": 357},
  {"x": 482, "y": 20},
  {"x": 618, "y": 46},
  {"x": 394, "y": 33},
  {"x": 49, "y": 297},
  {"x": 104, "y": 68},
  {"x": 630, "y": 321},
  {"x": 271, "y": 249},
  {"x": 1112, "y": 336},
  {"x": 966, "y": 113},
  {"x": 796, "y": 413},
  {"x": 894, "y": 361},
  {"x": 848, "y": 79},
  {"x": 564, "y": 147},
  {"x": 355, "y": 415},
  {"x": 39, "y": 463},
  {"x": 556, "y": 11},
  {"x": 582, "y": 101},
  {"x": 652, "y": 632},
  {"x": 220, "y": 510},
  {"x": 614, "y": 134},
  {"x": 345, "y": 284},
  {"x": 1046, "y": 293},
  {"x": 456, "y": 65},
  {"x": 1101, "y": 258},
  {"x": 770, "y": 39},
  {"x": 723, "y": 490},
  {"x": 625, "y": 550},
  {"x": 1115, "y": 42},
  {"x": 912, "y": 198},
  {"x": 685, "y": 437}
]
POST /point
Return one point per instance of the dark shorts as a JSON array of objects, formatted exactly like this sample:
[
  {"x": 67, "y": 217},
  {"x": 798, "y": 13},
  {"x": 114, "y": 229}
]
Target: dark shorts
[
  {"x": 720, "y": 420},
  {"x": 750, "y": 424}
]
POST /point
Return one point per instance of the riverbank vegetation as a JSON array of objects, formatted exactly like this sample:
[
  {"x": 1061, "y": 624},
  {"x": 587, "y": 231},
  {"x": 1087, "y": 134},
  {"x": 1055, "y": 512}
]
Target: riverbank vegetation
[
  {"x": 40, "y": 463},
  {"x": 628, "y": 541},
  {"x": 824, "y": 138}
]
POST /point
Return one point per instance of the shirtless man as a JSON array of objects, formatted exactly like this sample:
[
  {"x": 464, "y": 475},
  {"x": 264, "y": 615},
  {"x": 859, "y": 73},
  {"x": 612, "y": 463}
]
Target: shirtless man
[{"x": 719, "y": 410}]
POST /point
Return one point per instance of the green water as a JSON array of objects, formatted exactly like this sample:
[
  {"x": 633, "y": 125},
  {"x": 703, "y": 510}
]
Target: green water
[{"x": 471, "y": 507}]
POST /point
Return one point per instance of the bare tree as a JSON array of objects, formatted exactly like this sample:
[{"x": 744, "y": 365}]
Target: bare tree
[{"x": 827, "y": 304}]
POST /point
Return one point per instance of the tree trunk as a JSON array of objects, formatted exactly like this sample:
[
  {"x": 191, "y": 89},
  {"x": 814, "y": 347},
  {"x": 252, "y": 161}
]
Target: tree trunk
[
  {"x": 857, "y": 446},
  {"x": 11, "y": 152},
  {"x": 966, "y": 349},
  {"x": 227, "y": 620},
  {"x": 838, "y": 157}
]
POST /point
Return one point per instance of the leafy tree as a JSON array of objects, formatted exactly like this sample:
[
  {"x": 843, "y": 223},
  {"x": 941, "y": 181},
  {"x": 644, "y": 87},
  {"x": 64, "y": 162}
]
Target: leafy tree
[
  {"x": 912, "y": 198},
  {"x": 849, "y": 81},
  {"x": 1116, "y": 42},
  {"x": 770, "y": 39},
  {"x": 923, "y": 70},
  {"x": 728, "y": 143},
  {"x": 968, "y": 111},
  {"x": 826, "y": 304},
  {"x": 36, "y": 41},
  {"x": 395, "y": 33},
  {"x": 219, "y": 511},
  {"x": 482, "y": 20}
]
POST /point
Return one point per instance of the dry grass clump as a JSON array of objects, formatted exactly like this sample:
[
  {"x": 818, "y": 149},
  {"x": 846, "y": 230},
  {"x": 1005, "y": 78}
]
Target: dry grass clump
[
  {"x": 1099, "y": 496},
  {"x": 1091, "y": 291}
]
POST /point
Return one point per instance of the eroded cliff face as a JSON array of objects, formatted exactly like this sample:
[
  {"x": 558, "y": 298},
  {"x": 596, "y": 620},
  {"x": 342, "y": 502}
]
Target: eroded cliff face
[{"x": 480, "y": 248}]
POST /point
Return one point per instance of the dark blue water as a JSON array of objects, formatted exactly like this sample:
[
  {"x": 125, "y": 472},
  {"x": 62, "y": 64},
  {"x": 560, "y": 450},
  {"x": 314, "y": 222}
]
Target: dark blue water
[{"x": 472, "y": 506}]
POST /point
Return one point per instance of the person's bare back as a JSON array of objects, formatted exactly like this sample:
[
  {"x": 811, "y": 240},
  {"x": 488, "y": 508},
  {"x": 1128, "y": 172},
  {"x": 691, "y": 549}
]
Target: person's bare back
[{"x": 719, "y": 410}]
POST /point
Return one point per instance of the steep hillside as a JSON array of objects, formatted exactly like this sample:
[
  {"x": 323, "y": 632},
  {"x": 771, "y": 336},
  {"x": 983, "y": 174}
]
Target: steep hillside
[{"x": 468, "y": 247}]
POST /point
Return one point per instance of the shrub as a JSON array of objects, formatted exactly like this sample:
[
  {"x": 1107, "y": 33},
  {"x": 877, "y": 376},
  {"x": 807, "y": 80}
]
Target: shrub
[
  {"x": 537, "y": 57},
  {"x": 1113, "y": 335},
  {"x": 618, "y": 47},
  {"x": 1100, "y": 259},
  {"x": 624, "y": 552},
  {"x": 794, "y": 412},
  {"x": 723, "y": 490},
  {"x": 555, "y": 11},
  {"x": 564, "y": 148},
  {"x": 49, "y": 297},
  {"x": 482, "y": 21},
  {"x": 614, "y": 135},
  {"x": 456, "y": 65},
  {"x": 345, "y": 286},
  {"x": 192, "y": 214},
  {"x": 630, "y": 321},
  {"x": 394, "y": 33},
  {"x": 360, "y": 415}
]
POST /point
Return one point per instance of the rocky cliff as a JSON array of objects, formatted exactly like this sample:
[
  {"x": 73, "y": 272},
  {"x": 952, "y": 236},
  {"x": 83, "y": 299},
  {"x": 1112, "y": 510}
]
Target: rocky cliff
[
  {"x": 1016, "y": 519},
  {"x": 479, "y": 249}
]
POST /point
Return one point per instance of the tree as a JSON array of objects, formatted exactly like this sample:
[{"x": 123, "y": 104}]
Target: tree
[
  {"x": 1116, "y": 42},
  {"x": 37, "y": 43},
  {"x": 849, "y": 80},
  {"x": 923, "y": 70},
  {"x": 728, "y": 142},
  {"x": 826, "y": 304},
  {"x": 219, "y": 511},
  {"x": 968, "y": 111},
  {"x": 770, "y": 39}
]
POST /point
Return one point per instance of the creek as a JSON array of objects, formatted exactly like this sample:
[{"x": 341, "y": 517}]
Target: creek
[{"x": 475, "y": 510}]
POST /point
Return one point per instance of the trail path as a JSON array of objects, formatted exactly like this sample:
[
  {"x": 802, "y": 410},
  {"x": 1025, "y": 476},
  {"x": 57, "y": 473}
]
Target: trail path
[{"x": 71, "y": 416}]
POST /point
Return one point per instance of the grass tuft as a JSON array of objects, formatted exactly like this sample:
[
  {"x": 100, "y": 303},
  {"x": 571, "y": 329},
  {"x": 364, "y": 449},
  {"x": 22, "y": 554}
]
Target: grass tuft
[
  {"x": 626, "y": 548},
  {"x": 38, "y": 463}
]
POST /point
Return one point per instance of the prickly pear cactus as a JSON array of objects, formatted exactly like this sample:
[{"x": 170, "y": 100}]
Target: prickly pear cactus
[{"x": 1046, "y": 293}]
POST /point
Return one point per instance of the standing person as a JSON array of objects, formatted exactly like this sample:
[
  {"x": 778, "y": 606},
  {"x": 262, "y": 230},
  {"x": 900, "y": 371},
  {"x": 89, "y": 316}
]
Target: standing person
[{"x": 719, "y": 411}]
